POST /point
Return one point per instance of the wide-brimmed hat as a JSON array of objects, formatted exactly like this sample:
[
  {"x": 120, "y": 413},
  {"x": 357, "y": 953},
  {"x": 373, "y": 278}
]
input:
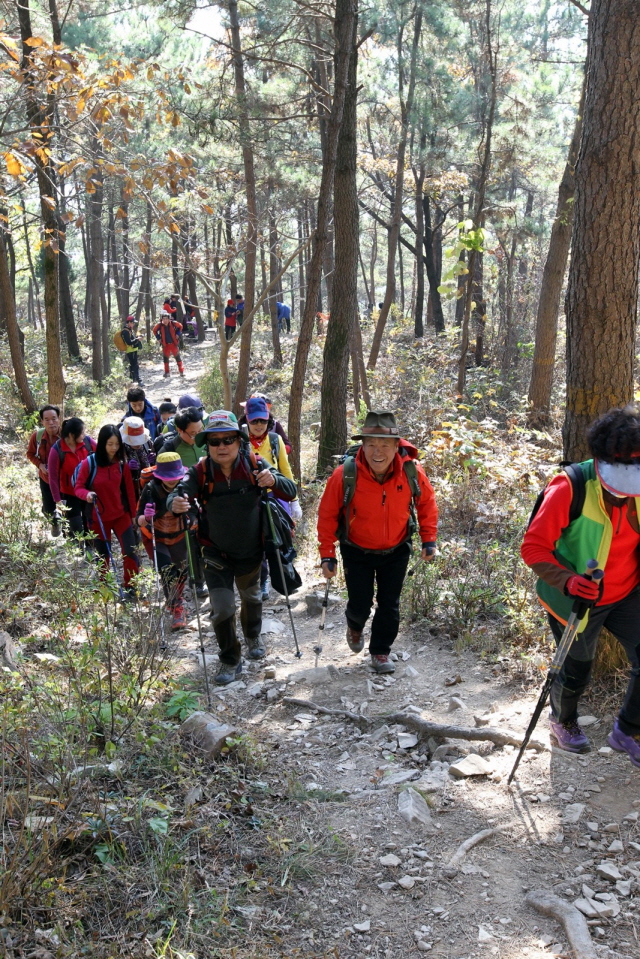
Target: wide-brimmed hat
[
  {"x": 169, "y": 467},
  {"x": 189, "y": 399},
  {"x": 380, "y": 423},
  {"x": 621, "y": 479},
  {"x": 134, "y": 432},
  {"x": 256, "y": 409},
  {"x": 220, "y": 421}
]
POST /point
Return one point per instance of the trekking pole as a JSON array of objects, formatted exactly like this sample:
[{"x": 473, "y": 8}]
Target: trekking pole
[
  {"x": 107, "y": 543},
  {"x": 325, "y": 602},
  {"x": 194, "y": 593},
  {"x": 578, "y": 611},
  {"x": 149, "y": 513},
  {"x": 265, "y": 497}
]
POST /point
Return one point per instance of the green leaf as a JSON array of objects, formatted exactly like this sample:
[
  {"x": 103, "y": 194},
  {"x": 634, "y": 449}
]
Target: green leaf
[{"x": 159, "y": 826}]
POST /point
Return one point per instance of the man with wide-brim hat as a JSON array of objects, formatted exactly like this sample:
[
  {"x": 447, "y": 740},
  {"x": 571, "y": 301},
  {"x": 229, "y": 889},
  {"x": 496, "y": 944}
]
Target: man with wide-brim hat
[
  {"x": 371, "y": 505},
  {"x": 223, "y": 492},
  {"x": 593, "y": 516}
]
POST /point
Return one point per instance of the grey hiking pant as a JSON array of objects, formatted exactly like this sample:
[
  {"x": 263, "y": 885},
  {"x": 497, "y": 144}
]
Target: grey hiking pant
[
  {"x": 623, "y": 620},
  {"x": 220, "y": 573}
]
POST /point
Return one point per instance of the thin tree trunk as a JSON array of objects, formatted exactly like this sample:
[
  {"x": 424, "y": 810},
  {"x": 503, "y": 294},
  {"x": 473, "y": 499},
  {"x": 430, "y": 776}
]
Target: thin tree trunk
[
  {"x": 602, "y": 293},
  {"x": 96, "y": 257},
  {"x": 207, "y": 266},
  {"x": 335, "y": 370},
  {"x": 301, "y": 264},
  {"x": 7, "y": 298},
  {"x": 394, "y": 233},
  {"x": 418, "y": 308},
  {"x": 251, "y": 250},
  {"x": 346, "y": 11},
  {"x": 273, "y": 272},
  {"x": 32, "y": 273},
  {"x": 433, "y": 274},
  {"x": 126, "y": 254},
  {"x": 546, "y": 334},
  {"x": 40, "y": 119}
]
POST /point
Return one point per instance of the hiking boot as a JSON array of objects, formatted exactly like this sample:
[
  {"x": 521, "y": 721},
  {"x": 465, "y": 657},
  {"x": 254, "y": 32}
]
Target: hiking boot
[
  {"x": 56, "y": 529},
  {"x": 178, "y": 618},
  {"x": 568, "y": 736},
  {"x": 166, "y": 376},
  {"x": 355, "y": 640},
  {"x": 624, "y": 743},
  {"x": 255, "y": 648},
  {"x": 226, "y": 674},
  {"x": 264, "y": 590},
  {"x": 382, "y": 664},
  {"x": 201, "y": 591}
]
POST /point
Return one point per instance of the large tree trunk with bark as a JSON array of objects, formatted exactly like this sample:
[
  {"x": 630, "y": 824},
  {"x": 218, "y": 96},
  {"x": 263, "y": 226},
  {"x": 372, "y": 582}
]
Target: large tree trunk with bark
[
  {"x": 251, "y": 250},
  {"x": 544, "y": 354},
  {"x": 346, "y": 11},
  {"x": 602, "y": 293},
  {"x": 344, "y": 309},
  {"x": 394, "y": 232}
]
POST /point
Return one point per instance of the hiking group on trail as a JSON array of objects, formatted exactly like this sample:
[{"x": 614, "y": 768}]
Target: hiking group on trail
[{"x": 201, "y": 492}]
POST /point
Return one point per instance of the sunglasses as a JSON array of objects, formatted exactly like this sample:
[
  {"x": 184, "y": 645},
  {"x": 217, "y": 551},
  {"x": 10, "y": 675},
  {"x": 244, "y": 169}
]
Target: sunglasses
[
  {"x": 225, "y": 441},
  {"x": 258, "y": 421}
]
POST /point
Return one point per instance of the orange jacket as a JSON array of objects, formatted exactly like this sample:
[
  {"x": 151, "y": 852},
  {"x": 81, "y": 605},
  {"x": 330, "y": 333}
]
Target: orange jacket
[{"x": 379, "y": 512}]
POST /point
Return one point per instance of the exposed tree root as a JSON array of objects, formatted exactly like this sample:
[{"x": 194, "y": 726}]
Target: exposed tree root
[
  {"x": 451, "y": 868},
  {"x": 573, "y": 922}
]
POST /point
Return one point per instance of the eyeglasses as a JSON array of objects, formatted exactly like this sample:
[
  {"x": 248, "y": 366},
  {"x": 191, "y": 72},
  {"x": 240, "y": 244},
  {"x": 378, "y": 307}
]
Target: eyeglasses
[
  {"x": 225, "y": 441},
  {"x": 259, "y": 421}
]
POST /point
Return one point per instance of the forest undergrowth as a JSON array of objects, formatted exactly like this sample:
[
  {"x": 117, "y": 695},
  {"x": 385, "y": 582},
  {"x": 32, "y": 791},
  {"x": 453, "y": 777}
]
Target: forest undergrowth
[{"x": 101, "y": 852}]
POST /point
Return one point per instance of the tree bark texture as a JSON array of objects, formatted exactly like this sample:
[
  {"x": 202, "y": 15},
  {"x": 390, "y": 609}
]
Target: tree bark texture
[
  {"x": 546, "y": 333},
  {"x": 418, "y": 305},
  {"x": 602, "y": 292},
  {"x": 346, "y": 225},
  {"x": 7, "y": 299},
  {"x": 346, "y": 11},
  {"x": 433, "y": 267},
  {"x": 394, "y": 233}
]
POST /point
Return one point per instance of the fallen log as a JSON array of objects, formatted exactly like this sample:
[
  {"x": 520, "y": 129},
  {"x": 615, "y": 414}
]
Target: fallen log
[{"x": 573, "y": 922}]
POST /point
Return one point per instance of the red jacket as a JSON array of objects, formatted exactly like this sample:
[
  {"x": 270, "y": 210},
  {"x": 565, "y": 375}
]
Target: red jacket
[
  {"x": 38, "y": 453},
  {"x": 168, "y": 335},
  {"x": 623, "y": 563},
  {"x": 114, "y": 488},
  {"x": 379, "y": 512},
  {"x": 60, "y": 474}
]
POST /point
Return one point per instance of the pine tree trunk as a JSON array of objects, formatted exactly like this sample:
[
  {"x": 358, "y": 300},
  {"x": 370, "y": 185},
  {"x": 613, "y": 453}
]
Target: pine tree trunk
[
  {"x": 346, "y": 11},
  {"x": 431, "y": 263},
  {"x": 602, "y": 293},
  {"x": 546, "y": 334},
  {"x": 335, "y": 370}
]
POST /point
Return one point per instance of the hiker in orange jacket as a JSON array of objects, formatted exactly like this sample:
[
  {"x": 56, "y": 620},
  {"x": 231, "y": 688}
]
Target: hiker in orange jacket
[
  {"x": 168, "y": 331},
  {"x": 374, "y": 528}
]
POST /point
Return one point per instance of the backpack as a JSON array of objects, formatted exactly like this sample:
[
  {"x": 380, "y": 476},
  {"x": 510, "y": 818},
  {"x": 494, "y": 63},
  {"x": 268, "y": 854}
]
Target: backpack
[
  {"x": 62, "y": 453},
  {"x": 119, "y": 342},
  {"x": 578, "y": 489},
  {"x": 93, "y": 466},
  {"x": 349, "y": 477}
]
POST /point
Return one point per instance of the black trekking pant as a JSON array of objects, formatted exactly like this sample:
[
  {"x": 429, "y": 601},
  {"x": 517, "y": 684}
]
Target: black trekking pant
[
  {"x": 134, "y": 370},
  {"x": 48, "y": 502},
  {"x": 621, "y": 619},
  {"x": 383, "y": 572},
  {"x": 221, "y": 572},
  {"x": 76, "y": 515}
]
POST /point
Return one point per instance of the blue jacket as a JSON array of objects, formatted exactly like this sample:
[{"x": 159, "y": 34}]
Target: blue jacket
[
  {"x": 150, "y": 415},
  {"x": 284, "y": 311}
]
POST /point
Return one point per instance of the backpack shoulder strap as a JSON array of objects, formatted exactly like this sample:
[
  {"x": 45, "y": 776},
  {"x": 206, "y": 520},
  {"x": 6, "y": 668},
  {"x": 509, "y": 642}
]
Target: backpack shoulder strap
[
  {"x": 411, "y": 473},
  {"x": 274, "y": 442},
  {"x": 39, "y": 434},
  {"x": 349, "y": 476},
  {"x": 87, "y": 445},
  {"x": 61, "y": 453},
  {"x": 579, "y": 489}
]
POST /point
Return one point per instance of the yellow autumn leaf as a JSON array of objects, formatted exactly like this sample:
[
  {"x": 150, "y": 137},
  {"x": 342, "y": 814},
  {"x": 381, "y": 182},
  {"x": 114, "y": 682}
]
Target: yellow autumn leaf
[{"x": 14, "y": 166}]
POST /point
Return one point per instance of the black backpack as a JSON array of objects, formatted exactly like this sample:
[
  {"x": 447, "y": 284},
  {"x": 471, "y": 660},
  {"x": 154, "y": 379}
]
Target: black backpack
[{"x": 579, "y": 490}]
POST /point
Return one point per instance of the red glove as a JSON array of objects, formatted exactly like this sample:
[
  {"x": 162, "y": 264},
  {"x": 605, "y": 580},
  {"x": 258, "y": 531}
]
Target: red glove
[{"x": 582, "y": 587}]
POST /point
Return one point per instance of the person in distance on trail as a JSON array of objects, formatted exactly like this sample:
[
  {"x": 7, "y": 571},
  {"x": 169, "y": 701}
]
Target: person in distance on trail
[
  {"x": 273, "y": 426},
  {"x": 558, "y": 548},
  {"x": 227, "y": 485},
  {"x": 168, "y": 332},
  {"x": 66, "y": 454},
  {"x": 374, "y": 524},
  {"x": 270, "y": 446},
  {"x": 133, "y": 344},
  {"x": 38, "y": 449},
  {"x": 230, "y": 319},
  {"x": 188, "y": 424},
  {"x": 139, "y": 405},
  {"x": 239, "y": 309},
  {"x": 169, "y": 530},
  {"x": 104, "y": 480},
  {"x": 283, "y": 313}
]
